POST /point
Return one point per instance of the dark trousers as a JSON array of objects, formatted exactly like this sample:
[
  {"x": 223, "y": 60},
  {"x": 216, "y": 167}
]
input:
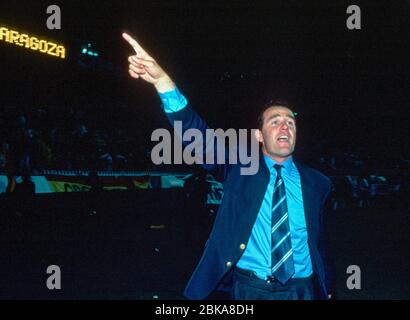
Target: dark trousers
[{"x": 247, "y": 286}]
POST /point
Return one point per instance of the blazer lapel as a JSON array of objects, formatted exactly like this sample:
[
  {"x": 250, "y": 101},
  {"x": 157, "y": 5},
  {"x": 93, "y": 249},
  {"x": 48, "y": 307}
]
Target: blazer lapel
[
  {"x": 309, "y": 195},
  {"x": 256, "y": 186},
  {"x": 259, "y": 180}
]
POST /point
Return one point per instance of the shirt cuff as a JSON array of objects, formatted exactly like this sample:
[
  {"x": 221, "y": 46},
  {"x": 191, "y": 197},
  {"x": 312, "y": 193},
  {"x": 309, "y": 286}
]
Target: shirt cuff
[{"x": 173, "y": 101}]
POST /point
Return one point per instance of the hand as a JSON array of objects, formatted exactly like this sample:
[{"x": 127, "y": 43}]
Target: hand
[{"x": 143, "y": 66}]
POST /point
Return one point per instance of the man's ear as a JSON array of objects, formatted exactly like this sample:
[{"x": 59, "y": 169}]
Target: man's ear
[{"x": 259, "y": 136}]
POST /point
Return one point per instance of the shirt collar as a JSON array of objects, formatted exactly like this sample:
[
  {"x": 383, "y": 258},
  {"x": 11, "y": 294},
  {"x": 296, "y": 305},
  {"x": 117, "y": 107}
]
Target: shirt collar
[{"x": 287, "y": 165}]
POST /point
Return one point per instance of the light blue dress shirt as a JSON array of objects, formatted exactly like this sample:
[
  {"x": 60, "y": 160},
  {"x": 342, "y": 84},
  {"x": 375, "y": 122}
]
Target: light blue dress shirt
[{"x": 257, "y": 256}]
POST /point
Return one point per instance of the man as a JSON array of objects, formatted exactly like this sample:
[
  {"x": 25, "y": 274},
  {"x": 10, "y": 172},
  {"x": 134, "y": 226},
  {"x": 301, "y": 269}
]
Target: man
[{"x": 268, "y": 239}]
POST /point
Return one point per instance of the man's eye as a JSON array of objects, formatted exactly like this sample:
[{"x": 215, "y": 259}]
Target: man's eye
[{"x": 291, "y": 124}]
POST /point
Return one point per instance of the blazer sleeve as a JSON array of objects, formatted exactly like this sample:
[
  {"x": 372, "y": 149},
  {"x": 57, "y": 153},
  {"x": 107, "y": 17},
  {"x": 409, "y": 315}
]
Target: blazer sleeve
[{"x": 191, "y": 120}]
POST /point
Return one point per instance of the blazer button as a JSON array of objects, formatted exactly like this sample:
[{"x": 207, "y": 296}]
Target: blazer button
[
  {"x": 242, "y": 246},
  {"x": 229, "y": 264}
]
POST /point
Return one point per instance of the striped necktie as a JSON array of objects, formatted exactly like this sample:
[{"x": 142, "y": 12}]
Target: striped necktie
[{"x": 282, "y": 255}]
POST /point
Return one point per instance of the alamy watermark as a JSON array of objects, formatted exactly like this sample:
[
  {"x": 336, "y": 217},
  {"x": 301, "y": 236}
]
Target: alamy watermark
[
  {"x": 213, "y": 147},
  {"x": 54, "y": 20},
  {"x": 354, "y": 282},
  {"x": 54, "y": 280}
]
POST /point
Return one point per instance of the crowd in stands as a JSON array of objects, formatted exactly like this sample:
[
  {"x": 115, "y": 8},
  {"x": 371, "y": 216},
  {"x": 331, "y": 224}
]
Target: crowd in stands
[{"x": 42, "y": 139}]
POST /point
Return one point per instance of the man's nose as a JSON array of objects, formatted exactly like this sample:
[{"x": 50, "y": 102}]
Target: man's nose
[{"x": 284, "y": 127}]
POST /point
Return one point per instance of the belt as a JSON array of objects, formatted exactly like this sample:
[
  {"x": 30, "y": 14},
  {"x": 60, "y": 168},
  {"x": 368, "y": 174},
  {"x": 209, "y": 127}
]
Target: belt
[
  {"x": 271, "y": 279},
  {"x": 252, "y": 275}
]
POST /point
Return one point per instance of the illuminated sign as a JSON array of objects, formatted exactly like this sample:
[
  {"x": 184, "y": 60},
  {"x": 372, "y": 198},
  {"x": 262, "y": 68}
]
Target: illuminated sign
[{"x": 33, "y": 43}]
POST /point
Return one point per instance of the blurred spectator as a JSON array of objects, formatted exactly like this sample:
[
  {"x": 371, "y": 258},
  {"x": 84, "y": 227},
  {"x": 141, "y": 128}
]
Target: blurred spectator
[
  {"x": 2, "y": 163},
  {"x": 26, "y": 187},
  {"x": 93, "y": 180},
  {"x": 363, "y": 191},
  {"x": 343, "y": 193}
]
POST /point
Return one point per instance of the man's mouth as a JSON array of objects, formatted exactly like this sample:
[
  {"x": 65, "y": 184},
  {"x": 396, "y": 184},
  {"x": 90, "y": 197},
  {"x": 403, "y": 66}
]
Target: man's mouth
[{"x": 283, "y": 138}]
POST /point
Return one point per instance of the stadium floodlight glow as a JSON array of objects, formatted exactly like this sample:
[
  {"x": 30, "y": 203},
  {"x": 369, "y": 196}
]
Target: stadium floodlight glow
[{"x": 33, "y": 43}]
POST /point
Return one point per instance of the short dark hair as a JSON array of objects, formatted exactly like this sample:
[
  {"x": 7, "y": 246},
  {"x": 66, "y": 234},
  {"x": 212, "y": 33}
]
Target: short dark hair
[{"x": 278, "y": 102}]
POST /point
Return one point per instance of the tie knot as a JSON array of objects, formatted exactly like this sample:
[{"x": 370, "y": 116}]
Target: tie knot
[{"x": 278, "y": 168}]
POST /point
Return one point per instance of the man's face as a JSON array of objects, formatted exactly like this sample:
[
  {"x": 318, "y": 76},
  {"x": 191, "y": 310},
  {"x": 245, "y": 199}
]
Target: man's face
[{"x": 278, "y": 134}]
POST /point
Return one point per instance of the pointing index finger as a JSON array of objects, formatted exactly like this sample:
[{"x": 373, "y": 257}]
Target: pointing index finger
[{"x": 138, "y": 49}]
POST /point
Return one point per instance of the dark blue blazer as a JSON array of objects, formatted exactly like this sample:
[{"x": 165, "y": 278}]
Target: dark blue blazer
[{"x": 237, "y": 214}]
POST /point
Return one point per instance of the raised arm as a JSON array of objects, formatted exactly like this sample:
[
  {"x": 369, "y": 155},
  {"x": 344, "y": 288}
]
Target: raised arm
[{"x": 177, "y": 109}]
